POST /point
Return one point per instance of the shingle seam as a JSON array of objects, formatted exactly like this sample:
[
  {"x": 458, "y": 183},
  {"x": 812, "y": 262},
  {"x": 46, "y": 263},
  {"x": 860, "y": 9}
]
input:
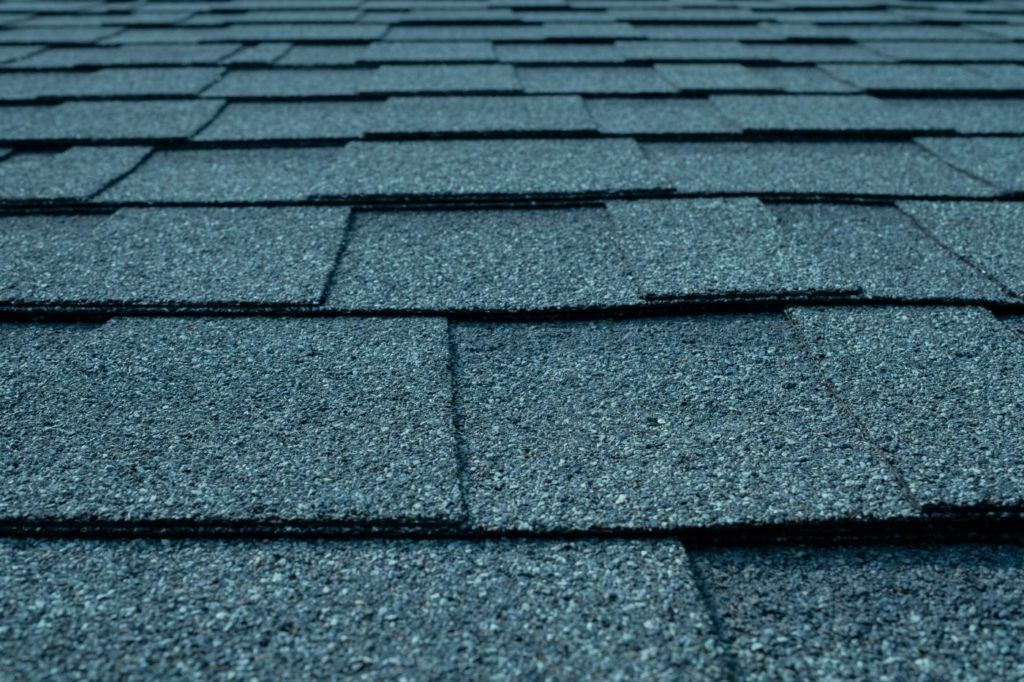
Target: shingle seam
[
  {"x": 346, "y": 235},
  {"x": 844, "y": 407},
  {"x": 1000, "y": 193},
  {"x": 457, "y": 420},
  {"x": 725, "y": 642}
]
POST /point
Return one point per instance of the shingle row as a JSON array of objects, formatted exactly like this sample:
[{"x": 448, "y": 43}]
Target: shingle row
[{"x": 836, "y": 414}]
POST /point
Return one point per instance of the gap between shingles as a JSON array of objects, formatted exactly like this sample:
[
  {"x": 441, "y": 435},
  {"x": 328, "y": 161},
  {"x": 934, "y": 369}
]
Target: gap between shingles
[{"x": 726, "y": 642}]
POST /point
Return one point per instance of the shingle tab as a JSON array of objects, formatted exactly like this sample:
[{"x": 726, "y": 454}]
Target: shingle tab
[
  {"x": 884, "y": 253},
  {"x": 848, "y": 113},
  {"x": 609, "y": 80},
  {"x": 337, "y": 420},
  {"x": 360, "y": 610},
  {"x": 427, "y": 52},
  {"x": 557, "y": 114},
  {"x": 481, "y": 260},
  {"x": 732, "y": 248},
  {"x": 107, "y": 120},
  {"x": 323, "y": 55},
  {"x": 939, "y": 51},
  {"x": 185, "y": 80},
  {"x": 713, "y": 77},
  {"x": 453, "y": 78},
  {"x": 854, "y": 168},
  {"x": 938, "y": 388},
  {"x": 557, "y": 53},
  {"x": 677, "y": 50},
  {"x": 973, "y": 115},
  {"x": 879, "y": 613},
  {"x": 129, "y": 55},
  {"x": 260, "y": 54},
  {"x": 657, "y": 423},
  {"x": 290, "y": 83},
  {"x": 225, "y": 175},
  {"x": 996, "y": 160},
  {"x": 77, "y": 173},
  {"x": 989, "y": 235},
  {"x": 281, "y": 121},
  {"x": 640, "y": 116},
  {"x": 489, "y": 168},
  {"x": 929, "y": 77},
  {"x": 178, "y": 256}
]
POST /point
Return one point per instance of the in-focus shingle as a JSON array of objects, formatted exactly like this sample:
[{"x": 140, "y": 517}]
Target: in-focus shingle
[
  {"x": 988, "y": 235},
  {"x": 879, "y": 613},
  {"x": 996, "y": 160},
  {"x": 248, "y": 419},
  {"x": 291, "y": 121},
  {"x": 855, "y": 168},
  {"x": 355, "y": 610},
  {"x": 640, "y": 116},
  {"x": 657, "y": 423},
  {"x": 225, "y": 175},
  {"x": 714, "y": 248},
  {"x": 172, "y": 256},
  {"x": 290, "y": 83},
  {"x": 609, "y": 80},
  {"x": 481, "y": 260},
  {"x": 107, "y": 120},
  {"x": 884, "y": 253},
  {"x": 78, "y": 173},
  {"x": 453, "y": 78},
  {"x": 489, "y": 167},
  {"x": 185, "y": 80},
  {"x": 556, "y": 114},
  {"x": 848, "y": 113},
  {"x": 939, "y": 389}
]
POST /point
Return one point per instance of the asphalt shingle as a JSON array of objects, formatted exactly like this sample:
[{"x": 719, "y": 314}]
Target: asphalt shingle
[
  {"x": 225, "y": 175},
  {"x": 173, "y": 257},
  {"x": 75, "y": 174},
  {"x": 998, "y": 161},
  {"x": 930, "y": 77},
  {"x": 713, "y": 77},
  {"x": 362, "y": 610},
  {"x": 427, "y": 52},
  {"x": 481, "y": 260},
  {"x": 259, "y": 83},
  {"x": 731, "y": 248},
  {"x": 680, "y": 50},
  {"x": 128, "y": 55},
  {"x": 185, "y": 80},
  {"x": 606, "y": 80},
  {"x": 657, "y": 423},
  {"x": 963, "y": 115},
  {"x": 341, "y": 420},
  {"x": 848, "y": 113},
  {"x": 939, "y": 389},
  {"x": 554, "y": 114},
  {"x": 558, "y": 53},
  {"x": 323, "y": 55},
  {"x": 107, "y": 120},
  {"x": 880, "y": 613},
  {"x": 449, "y": 78},
  {"x": 845, "y": 168},
  {"x": 290, "y": 121},
  {"x": 643, "y": 116},
  {"x": 988, "y": 235},
  {"x": 489, "y": 168}
]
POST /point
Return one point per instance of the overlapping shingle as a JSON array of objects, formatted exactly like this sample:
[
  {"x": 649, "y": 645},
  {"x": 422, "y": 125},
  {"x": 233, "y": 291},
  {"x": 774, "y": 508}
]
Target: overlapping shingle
[
  {"x": 260, "y": 83},
  {"x": 291, "y": 121},
  {"x": 187, "y": 80},
  {"x": 490, "y": 114},
  {"x": 998, "y": 161},
  {"x": 75, "y": 174},
  {"x": 254, "y": 420},
  {"x": 680, "y": 422},
  {"x": 643, "y": 116},
  {"x": 129, "y": 55},
  {"x": 453, "y": 78},
  {"x": 107, "y": 120},
  {"x": 614, "y": 80}
]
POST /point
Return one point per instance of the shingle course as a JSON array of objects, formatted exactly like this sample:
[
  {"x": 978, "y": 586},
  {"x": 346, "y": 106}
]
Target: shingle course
[{"x": 75, "y": 174}]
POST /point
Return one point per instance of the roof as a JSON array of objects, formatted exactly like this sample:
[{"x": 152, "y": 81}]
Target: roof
[{"x": 508, "y": 339}]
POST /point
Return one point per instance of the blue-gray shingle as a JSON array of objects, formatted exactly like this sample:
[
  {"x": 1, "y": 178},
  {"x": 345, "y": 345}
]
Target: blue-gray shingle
[{"x": 75, "y": 174}]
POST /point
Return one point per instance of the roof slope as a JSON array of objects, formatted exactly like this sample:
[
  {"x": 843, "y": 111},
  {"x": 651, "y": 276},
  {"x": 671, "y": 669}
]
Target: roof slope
[{"x": 554, "y": 339}]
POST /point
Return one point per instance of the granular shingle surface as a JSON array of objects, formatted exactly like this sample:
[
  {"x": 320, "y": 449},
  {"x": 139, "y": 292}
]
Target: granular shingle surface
[
  {"x": 279, "y": 121},
  {"x": 558, "y": 113},
  {"x": 78, "y": 173},
  {"x": 998, "y": 161},
  {"x": 336, "y": 420},
  {"x": 635, "y": 116},
  {"x": 102, "y": 121},
  {"x": 705, "y": 421},
  {"x": 177, "y": 256}
]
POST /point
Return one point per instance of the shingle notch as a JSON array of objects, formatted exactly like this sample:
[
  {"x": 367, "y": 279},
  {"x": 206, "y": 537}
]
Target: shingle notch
[
  {"x": 489, "y": 168},
  {"x": 195, "y": 420},
  {"x": 172, "y": 257},
  {"x": 658, "y": 423},
  {"x": 725, "y": 248},
  {"x": 893, "y": 613},
  {"x": 988, "y": 234},
  {"x": 938, "y": 388},
  {"x": 481, "y": 260},
  {"x": 75, "y": 174},
  {"x": 107, "y": 120},
  {"x": 397, "y": 606}
]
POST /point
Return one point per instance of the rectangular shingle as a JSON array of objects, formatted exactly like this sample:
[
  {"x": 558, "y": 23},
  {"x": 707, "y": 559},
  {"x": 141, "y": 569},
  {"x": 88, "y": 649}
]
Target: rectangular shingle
[
  {"x": 340, "y": 420},
  {"x": 884, "y": 253},
  {"x": 9, "y": 53},
  {"x": 290, "y": 83},
  {"x": 676, "y": 50},
  {"x": 611, "y": 80},
  {"x": 360, "y": 610},
  {"x": 998, "y": 161},
  {"x": 879, "y": 613},
  {"x": 556, "y": 114},
  {"x": 912, "y": 78},
  {"x": 281, "y": 121},
  {"x": 708, "y": 248},
  {"x": 260, "y": 54},
  {"x": 75, "y": 174},
  {"x": 489, "y": 168},
  {"x": 802, "y": 79},
  {"x": 939, "y": 389},
  {"x": 172, "y": 257},
  {"x": 963, "y": 115},
  {"x": 557, "y": 53},
  {"x": 187, "y": 80},
  {"x": 713, "y": 77},
  {"x": 107, "y": 120},
  {"x": 988, "y": 235},
  {"x": 56, "y": 35},
  {"x": 481, "y": 260},
  {"x": 854, "y": 168},
  {"x": 225, "y": 175},
  {"x": 649, "y": 116},
  {"x": 455, "y": 32},
  {"x": 588, "y": 31},
  {"x": 421, "y": 52},
  {"x": 849, "y": 113},
  {"x": 657, "y": 423},
  {"x": 809, "y": 53},
  {"x": 322, "y": 55},
  {"x": 129, "y": 55},
  {"x": 450, "y": 78},
  {"x": 918, "y": 51}
]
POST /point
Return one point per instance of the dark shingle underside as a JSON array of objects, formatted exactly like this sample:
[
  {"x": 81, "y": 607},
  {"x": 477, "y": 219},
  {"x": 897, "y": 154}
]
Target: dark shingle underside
[{"x": 511, "y": 339}]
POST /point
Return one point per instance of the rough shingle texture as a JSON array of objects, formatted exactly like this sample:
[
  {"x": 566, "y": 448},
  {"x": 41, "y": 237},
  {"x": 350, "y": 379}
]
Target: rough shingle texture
[{"x": 77, "y": 173}]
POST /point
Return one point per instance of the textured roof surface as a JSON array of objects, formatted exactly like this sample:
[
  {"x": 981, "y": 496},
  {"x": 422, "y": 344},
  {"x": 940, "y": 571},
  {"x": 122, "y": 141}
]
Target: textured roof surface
[{"x": 512, "y": 339}]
